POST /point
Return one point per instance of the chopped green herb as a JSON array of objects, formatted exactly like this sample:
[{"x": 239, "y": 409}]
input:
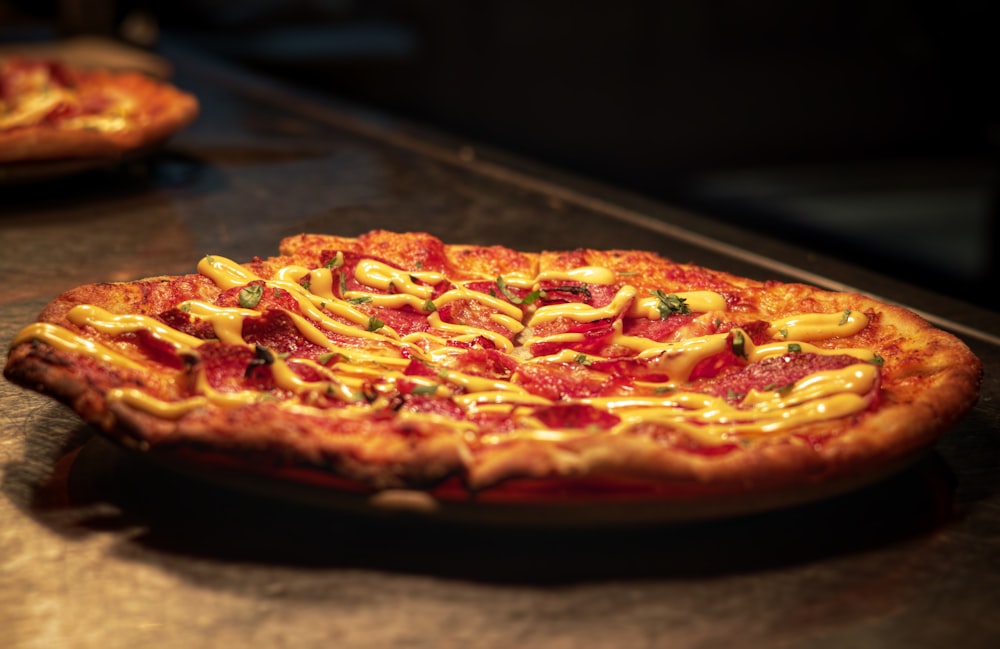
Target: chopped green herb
[
  {"x": 527, "y": 299},
  {"x": 429, "y": 306},
  {"x": 336, "y": 262},
  {"x": 186, "y": 307},
  {"x": 582, "y": 289},
  {"x": 361, "y": 299},
  {"x": 374, "y": 324},
  {"x": 425, "y": 389},
  {"x": 420, "y": 264},
  {"x": 325, "y": 358},
  {"x": 343, "y": 283},
  {"x": 669, "y": 305},
  {"x": 845, "y": 318},
  {"x": 794, "y": 348},
  {"x": 739, "y": 343},
  {"x": 277, "y": 292},
  {"x": 250, "y": 296},
  {"x": 262, "y": 356},
  {"x": 877, "y": 360},
  {"x": 582, "y": 359},
  {"x": 784, "y": 332},
  {"x": 664, "y": 389},
  {"x": 305, "y": 284}
]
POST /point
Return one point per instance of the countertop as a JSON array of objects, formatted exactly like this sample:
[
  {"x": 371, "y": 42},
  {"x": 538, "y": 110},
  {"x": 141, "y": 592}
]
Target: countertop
[{"x": 100, "y": 549}]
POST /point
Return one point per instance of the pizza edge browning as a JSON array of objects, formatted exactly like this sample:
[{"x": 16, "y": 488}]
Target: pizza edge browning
[
  {"x": 163, "y": 109},
  {"x": 934, "y": 380}
]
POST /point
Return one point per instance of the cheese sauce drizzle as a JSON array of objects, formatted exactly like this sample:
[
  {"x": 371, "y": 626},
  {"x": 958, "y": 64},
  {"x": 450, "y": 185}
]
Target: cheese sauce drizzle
[{"x": 381, "y": 355}]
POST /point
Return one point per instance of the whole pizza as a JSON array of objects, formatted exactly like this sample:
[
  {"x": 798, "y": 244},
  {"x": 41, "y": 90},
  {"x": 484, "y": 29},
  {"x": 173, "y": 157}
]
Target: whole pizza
[
  {"x": 50, "y": 110},
  {"x": 396, "y": 361}
]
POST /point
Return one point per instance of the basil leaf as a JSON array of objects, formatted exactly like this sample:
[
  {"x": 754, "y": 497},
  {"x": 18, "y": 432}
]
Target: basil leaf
[
  {"x": 250, "y": 296},
  {"x": 362, "y": 299},
  {"x": 374, "y": 324}
]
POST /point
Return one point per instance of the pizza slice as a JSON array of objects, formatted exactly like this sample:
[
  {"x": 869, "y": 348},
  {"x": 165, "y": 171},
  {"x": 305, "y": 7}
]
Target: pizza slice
[{"x": 52, "y": 111}]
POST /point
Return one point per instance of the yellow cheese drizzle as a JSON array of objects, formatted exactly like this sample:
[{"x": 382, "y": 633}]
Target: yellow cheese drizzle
[{"x": 379, "y": 359}]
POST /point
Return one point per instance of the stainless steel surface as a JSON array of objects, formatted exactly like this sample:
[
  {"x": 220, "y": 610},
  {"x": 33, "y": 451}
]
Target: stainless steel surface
[{"x": 100, "y": 550}]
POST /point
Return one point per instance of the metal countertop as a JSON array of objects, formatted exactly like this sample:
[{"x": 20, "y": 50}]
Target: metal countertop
[{"x": 99, "y": 550}]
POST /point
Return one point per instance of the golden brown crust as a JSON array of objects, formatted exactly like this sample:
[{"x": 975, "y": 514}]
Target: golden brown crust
[
  {"x": 928, "y": 380},
  {"x": 156, "y": 111}
]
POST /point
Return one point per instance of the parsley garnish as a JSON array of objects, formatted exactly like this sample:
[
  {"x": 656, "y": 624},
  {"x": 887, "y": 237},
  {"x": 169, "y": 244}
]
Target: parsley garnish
[
  {"x": 425, "y": 389},
  {"x": 877, "y": 360},
  {"x": 582, "y": 359},
  {"x": 669, "y": 305},
  {"x": 250, "y": 296},
  {"x": 784, "y": 332},
  {"x": 374, "y": 324},
  {"x": 794, "y": 348},
  {"x": 844, "y": 318},
  {"x": 429, "y": 306}
]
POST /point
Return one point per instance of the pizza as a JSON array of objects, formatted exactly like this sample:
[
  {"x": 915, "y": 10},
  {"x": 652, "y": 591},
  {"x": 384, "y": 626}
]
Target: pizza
[
  {"x": 396, "y": 361},
  {"x": 51, "y": 111}
]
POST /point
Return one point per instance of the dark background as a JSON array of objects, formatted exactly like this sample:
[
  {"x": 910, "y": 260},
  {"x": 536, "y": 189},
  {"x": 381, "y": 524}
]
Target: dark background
[{"x": 867, "y": 129}]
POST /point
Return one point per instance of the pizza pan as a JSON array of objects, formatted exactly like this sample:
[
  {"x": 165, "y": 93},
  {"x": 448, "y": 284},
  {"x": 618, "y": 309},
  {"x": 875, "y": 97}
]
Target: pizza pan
[{"x": 104, "y": 460}]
